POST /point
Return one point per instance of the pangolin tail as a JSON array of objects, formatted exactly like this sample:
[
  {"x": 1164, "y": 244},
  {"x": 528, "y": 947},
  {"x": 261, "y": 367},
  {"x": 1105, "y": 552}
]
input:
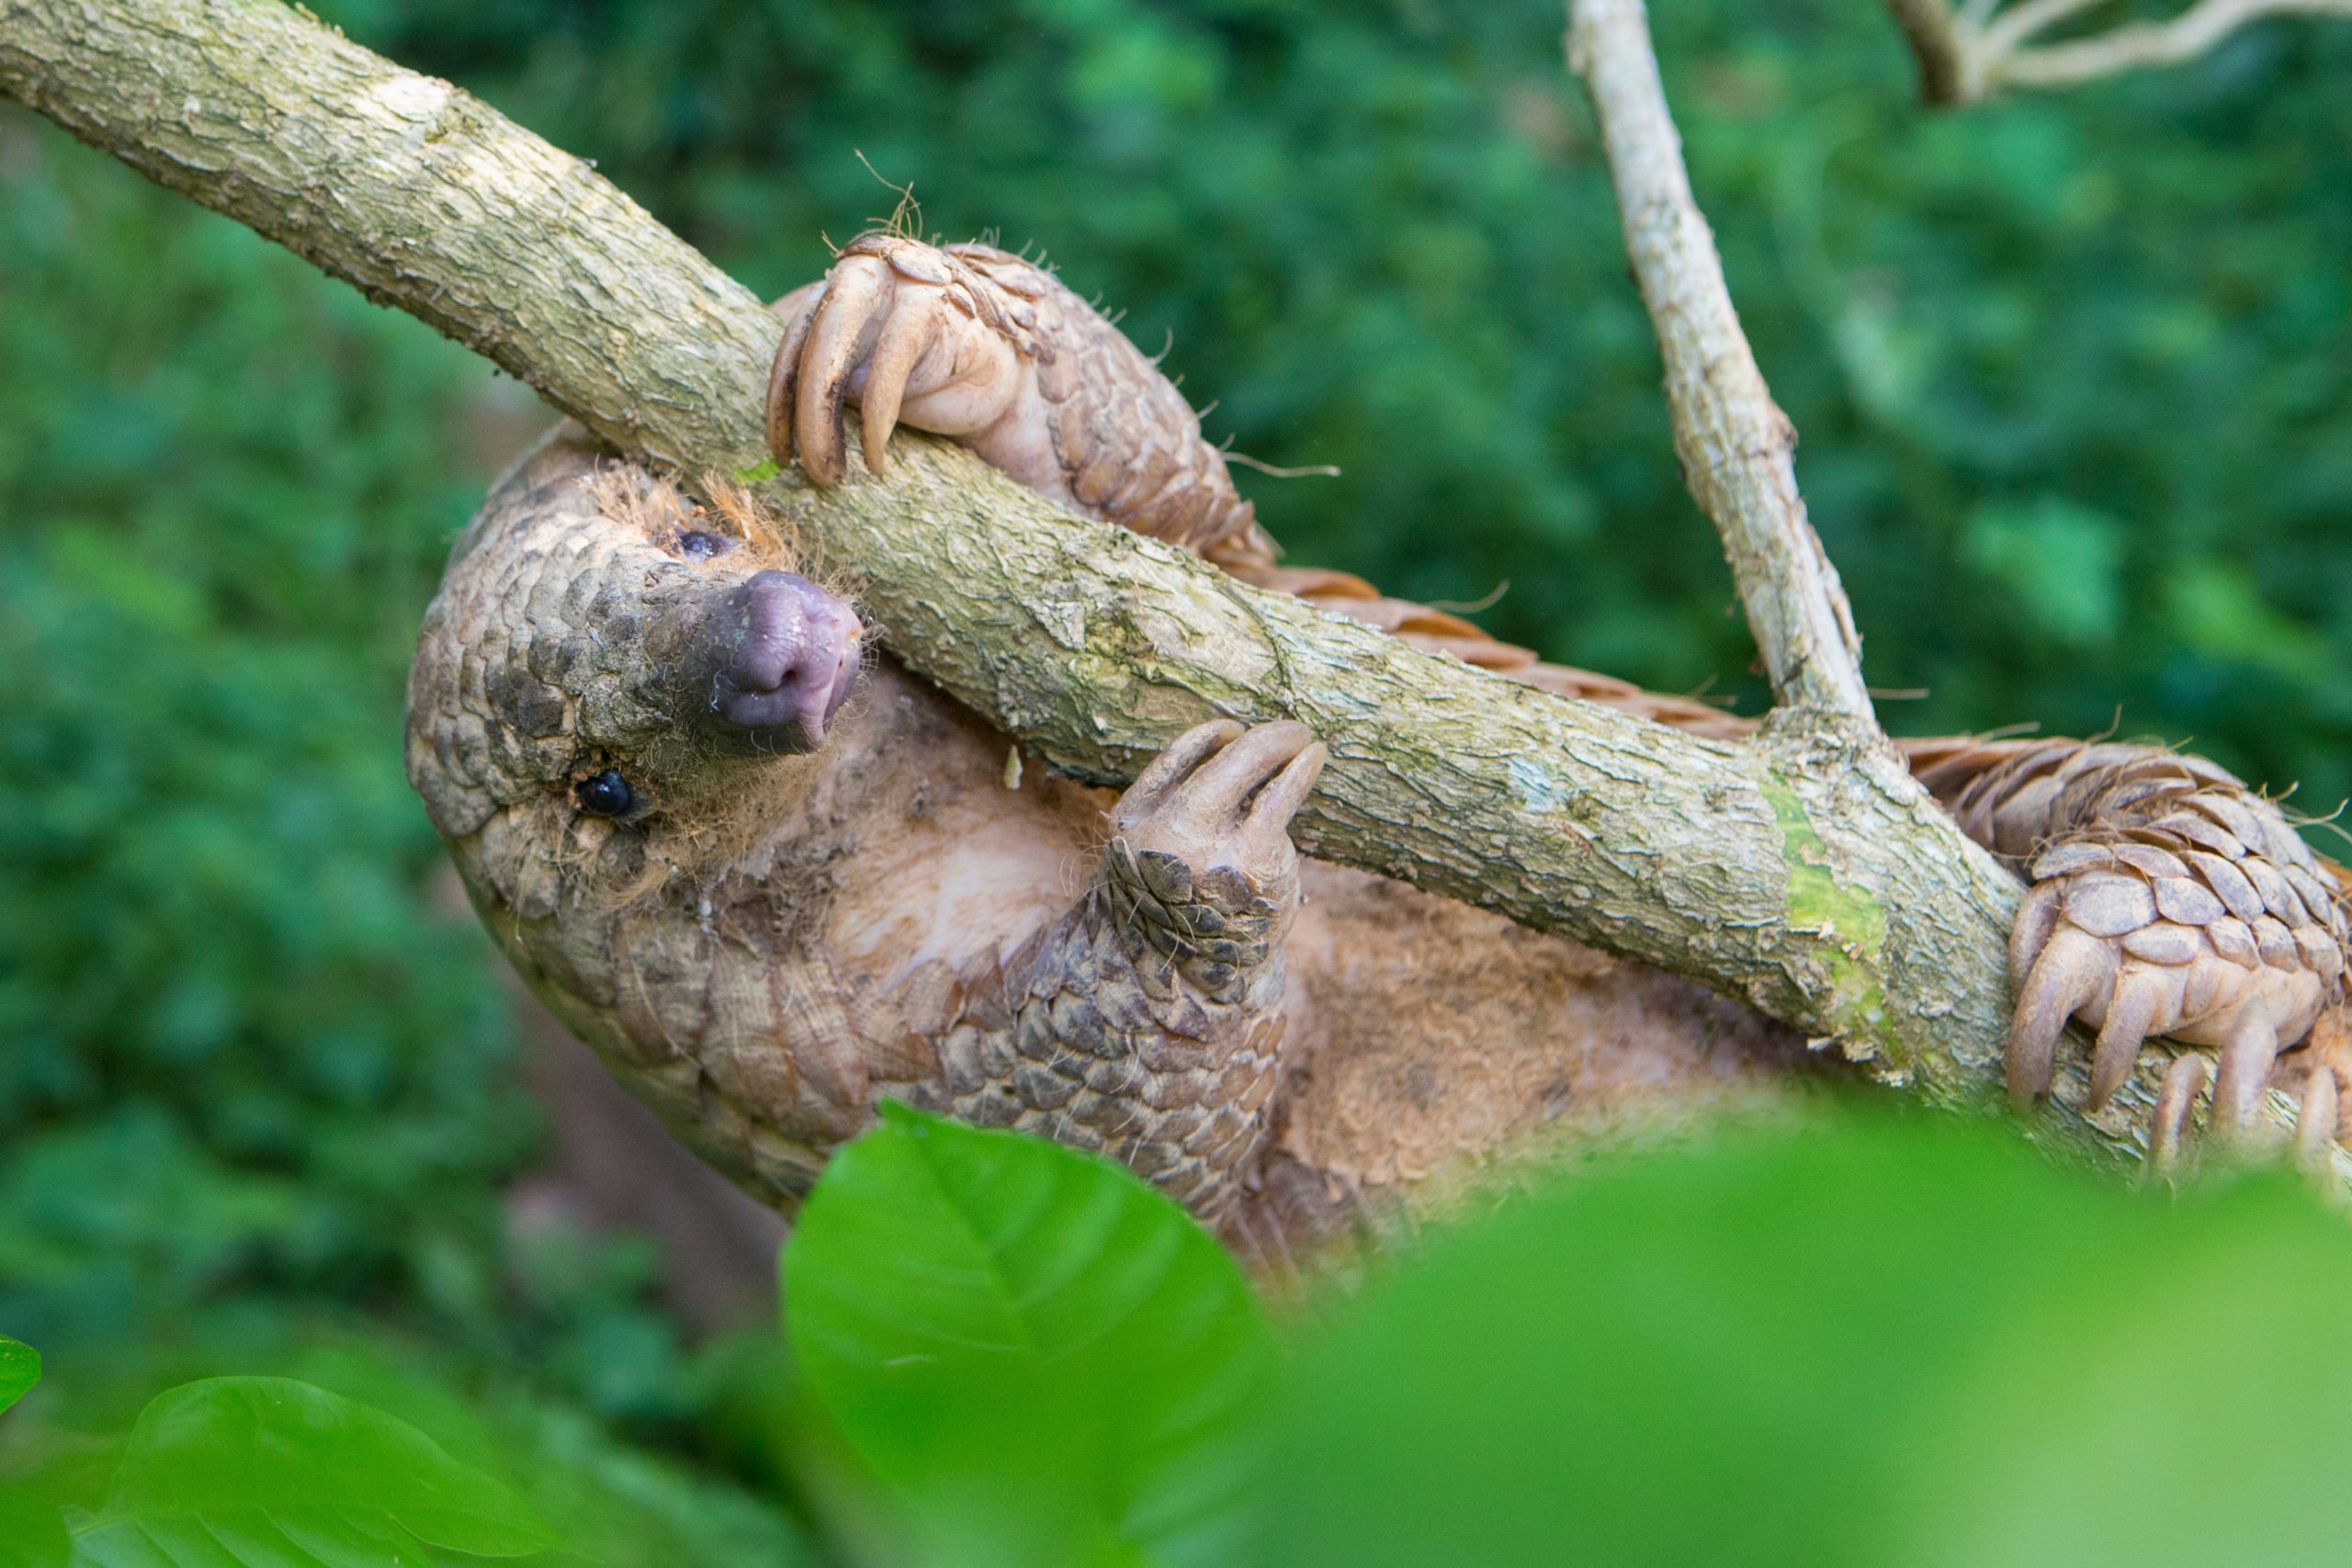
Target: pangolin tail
[{"x": 1435, "y": 631}]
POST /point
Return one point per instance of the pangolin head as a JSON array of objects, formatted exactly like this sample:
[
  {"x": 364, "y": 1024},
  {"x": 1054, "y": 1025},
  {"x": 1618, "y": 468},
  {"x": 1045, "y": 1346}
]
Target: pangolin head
[{"x": 617, "y": 686}]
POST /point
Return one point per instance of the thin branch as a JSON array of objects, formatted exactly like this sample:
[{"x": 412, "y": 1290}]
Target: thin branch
[
  {"x": 1940, "y": 42},
  {"x": 1969, "y": 55},
  {"x": 2142, "y": 45},
  {"x": 1808, "y": 876},
  {"x": 1735, "y": 442},
  {"x": 2006, "y": 30}
]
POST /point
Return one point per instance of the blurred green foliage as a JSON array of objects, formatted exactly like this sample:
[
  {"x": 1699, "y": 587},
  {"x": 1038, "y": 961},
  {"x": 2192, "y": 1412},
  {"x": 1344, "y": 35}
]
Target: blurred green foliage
[
  {"x": 1859, "y": 1340},
  {"x": 2074, "y": 375},
  {"x": 248, "y": 1060},
  {"x": 1868, "y": 1344},
  {"x": 372, "y": 1417},
  {"x": 271, "y": 1469},
  {"x": 1042, "y": 1360}
]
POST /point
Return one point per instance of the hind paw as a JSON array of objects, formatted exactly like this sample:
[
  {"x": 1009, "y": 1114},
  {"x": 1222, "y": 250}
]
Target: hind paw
[
  {"x": 2137, "y": 941},
  {"x": 2172, "y": 1138}
]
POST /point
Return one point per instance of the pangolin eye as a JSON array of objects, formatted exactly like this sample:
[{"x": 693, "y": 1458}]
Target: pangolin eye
[
  {"x": 605, "y": 794},
  {"x": 698, "y": 545}
]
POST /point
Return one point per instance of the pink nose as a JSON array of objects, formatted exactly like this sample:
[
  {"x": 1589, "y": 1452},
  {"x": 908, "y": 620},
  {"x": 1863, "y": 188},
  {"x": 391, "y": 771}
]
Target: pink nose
[{"x": 792, "y": 664}]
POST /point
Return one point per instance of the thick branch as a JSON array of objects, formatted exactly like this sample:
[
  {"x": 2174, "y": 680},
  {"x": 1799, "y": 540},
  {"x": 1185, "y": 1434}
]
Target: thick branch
[
  {"x": 1735, "y": 445},
  {"x": 1807, "y": 874}
]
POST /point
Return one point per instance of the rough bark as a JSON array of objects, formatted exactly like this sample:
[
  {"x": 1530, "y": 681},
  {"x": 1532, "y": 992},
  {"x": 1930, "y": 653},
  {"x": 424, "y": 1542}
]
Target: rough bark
[
  {"x": 1806, "y": 873},
  {"x": 1737, "y": 449}
]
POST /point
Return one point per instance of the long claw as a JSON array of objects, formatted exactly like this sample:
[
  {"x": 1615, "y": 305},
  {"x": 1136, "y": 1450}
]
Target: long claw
[
  {"x": 1277, "y": 803},
  {"x": 783, "y": 376},
  {"x": 2130, "y": 1014},
  {"x": 859, "y": 287},
  {"x": 2037, "y": 918},
  {"x": 2246, "y": 1059},
  {"x": 1171, "y": 767},
  {"x": 906, "y": 334},
  {"x": 2168, "y": 1127},
  {"x": 2070, "y": 972},
  {"x": 2315, "y": 1123},
  {"x": 1226, "y": 780}
]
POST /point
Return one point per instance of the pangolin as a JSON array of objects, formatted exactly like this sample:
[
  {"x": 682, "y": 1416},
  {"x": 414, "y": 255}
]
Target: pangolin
[{"x": 771, "y": 879}]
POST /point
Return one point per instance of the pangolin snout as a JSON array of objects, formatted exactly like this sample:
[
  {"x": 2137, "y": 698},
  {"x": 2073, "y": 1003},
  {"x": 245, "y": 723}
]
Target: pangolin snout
[{"x": 789, "y": 662}]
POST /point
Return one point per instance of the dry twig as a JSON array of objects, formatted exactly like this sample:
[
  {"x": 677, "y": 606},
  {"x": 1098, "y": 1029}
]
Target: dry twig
[{"x": 1969, "y": 55}]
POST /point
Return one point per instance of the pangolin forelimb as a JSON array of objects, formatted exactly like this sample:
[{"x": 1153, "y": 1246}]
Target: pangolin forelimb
[
  {"x": 1146, "y": 1023},
  {"x": 2168, "y": 898}
]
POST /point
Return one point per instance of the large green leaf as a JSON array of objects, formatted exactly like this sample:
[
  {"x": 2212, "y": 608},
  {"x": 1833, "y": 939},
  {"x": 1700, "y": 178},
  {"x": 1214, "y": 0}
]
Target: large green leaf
[
  {"x": 19, "y": 1370},
  {"x": 268, "y": 1472},
  {"x": 32, "y": 1532},
  {"x": 1862, "y": 1346},
  {"x": 1050, "y": 1361}
]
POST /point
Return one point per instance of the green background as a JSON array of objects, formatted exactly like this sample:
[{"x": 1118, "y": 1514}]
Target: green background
[{"x": 2074, "y": 377}]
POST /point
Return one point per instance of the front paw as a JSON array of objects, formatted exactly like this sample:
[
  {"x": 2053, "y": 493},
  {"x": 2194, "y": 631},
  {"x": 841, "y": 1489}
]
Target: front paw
[
  {"x": 1201, "y": 862},
  {"x": 903, "y": 330},
  {"x": 2210, "y": 935}
]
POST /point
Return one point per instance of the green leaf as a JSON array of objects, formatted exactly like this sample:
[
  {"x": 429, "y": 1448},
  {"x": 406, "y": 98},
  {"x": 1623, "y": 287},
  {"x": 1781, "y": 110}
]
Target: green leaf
[
  {"x": 1864, "y": 1346},
  {"x": 759, "y": 472},
  {"x": 19, "y": 1370},
  {"x": 267, "y": 1472},
  {"x": 1053, "y": 1361},
  {"x": 32, "y": 1532}
]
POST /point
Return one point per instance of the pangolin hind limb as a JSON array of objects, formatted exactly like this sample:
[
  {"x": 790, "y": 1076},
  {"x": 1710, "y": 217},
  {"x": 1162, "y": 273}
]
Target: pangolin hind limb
[{"x": 2168, "y": 898}]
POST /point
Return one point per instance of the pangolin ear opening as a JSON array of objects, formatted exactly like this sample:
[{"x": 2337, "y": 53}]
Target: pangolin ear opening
[{"x": 728, "y": 522}]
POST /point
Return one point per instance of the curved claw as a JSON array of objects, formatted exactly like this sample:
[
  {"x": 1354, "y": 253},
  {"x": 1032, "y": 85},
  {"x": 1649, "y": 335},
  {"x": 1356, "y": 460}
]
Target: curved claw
[
  {"x": 907, "y": 335},
  {"x": 2168, "y": 1127},
  {"x": 1153, "y": 787},
  {"x": 783, "y": 376},
  {"x": 1217, "y": 792},
  {"x": 2130, "y": 1015},
  {"x": 2037, "y": 919},
  {"x": 859, "y": 287},
  {"x": 2248, "y": 1054},
  {"x": 2316, "y": 1122},
  {"x": 1220, "y": 798},
  {"x": 2070, "y": 973},
  {"x": 1272, "y": 806}
]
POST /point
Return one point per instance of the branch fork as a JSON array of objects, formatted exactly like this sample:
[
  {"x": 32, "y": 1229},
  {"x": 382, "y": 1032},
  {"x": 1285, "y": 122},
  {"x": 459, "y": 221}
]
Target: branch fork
[{"x": 1984, "y": 46}]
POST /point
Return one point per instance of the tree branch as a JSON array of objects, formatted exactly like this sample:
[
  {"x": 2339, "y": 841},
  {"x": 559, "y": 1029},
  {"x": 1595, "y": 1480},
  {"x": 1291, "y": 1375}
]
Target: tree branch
[
  {"x": 1807, "y": 874},
  {"x": 1735, "y": 442},
  {"x": 1969, "y": 55},
  {"x": 2141, "y": 45},
  {"x": 1939, "y": 43}
]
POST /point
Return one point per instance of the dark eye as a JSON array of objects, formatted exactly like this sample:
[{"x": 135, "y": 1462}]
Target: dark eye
[
  {"x": 605, "y": 794},
  {"x": 702, "y": 547}
]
